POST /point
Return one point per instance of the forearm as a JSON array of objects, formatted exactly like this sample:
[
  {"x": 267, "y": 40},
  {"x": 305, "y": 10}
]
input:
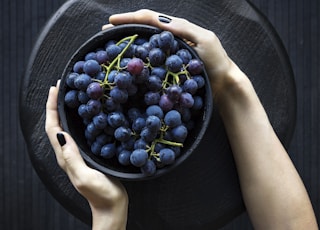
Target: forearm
[
  {"x": 272, "y": 189},
  {"x": 109, "y": 221}
]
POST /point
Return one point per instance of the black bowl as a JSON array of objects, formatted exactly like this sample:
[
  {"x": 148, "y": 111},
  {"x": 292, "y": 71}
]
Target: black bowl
[{"x": 72, "y": 123}]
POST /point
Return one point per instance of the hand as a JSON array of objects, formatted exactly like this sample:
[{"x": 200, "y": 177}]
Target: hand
[
  {"x": 106, "y": 196},
  {"x": 205, "y": 42}
]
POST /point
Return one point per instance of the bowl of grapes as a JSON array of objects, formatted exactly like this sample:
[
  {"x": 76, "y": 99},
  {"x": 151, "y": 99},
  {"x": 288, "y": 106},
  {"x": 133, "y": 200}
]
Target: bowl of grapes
[{"x": 137, "y": 101}]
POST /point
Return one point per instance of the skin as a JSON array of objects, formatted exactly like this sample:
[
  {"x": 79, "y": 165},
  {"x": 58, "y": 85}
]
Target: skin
[{"x": 273, "y": 192}]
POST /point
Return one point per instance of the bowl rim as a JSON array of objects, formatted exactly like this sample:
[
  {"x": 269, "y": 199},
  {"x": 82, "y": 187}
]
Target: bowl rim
[{"x": 102, "y": 36}]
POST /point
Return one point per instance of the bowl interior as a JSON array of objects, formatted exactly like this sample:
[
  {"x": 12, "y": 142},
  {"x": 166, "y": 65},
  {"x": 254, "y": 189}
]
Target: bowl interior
[{"x": 72, "y": 123}]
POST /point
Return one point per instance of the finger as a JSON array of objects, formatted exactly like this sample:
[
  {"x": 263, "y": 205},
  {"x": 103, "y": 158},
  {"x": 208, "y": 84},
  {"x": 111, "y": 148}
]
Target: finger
[
  {"x": 179, "y": 27},
  {"x": 69, "y": 156},
  {"x": 107, "y": 26},
  {"x": 52, "y": 125}
]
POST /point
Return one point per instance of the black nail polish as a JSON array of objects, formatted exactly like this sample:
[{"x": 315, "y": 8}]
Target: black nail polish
[
  {"x": 164, "y": 19},
  {"x": 61, "y": 139}
]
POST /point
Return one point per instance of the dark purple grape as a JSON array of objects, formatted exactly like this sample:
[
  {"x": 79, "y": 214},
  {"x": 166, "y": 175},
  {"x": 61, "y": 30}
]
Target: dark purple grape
[
  {"x": 91, "y": 67},
  {"x": 179, "y": 133},
  {"x": 94, "y": 90},
  {"x": 198, "y": 103},
  {"x": 123, "y": 79},
  {"x": 119, "y": 95},
  {"x": 101, "y": 76},
  {"x": 139, "y": 157},
  {"x": 102, "y": 57},
  {"x": 100, "y": 120},
  {"x": 154, "y": 40},
  {"x": 122, "y": 134},
  {"x": 156, "y": 57},
  {"x": 190, "y": 86},
  {"x": 200, "y": 80},
  {"x": 174, "y": 93},
  {"x": 154, "y": 110},
  {"x": 143, "y": 76},
  {"x": 172, "y": 118},
  {"x": 103, "y": 139},
  {"x": 148, "y": 135},
  {"x": 159, "y": 72},
  {"x": 90, "y": 56},
  {"x": 71, "y": 99},
  {"x": 153, "y": 123},
  {"x": 96, "y": 148},
  {"x": 154, "y": 83},
  {"x": 174, "y": 63},
  {"x": 185, "y": 55},
  {"x": 113, "y": 51},
  {"x": 195, "y": 66},
  {"x": 151, "y": 98},
  {"x": 138, "y": 124},
  {"x": 78, "y": 67},
  {"x": 186, "y": 100},
  {"x": 93, "y": 107},
  {"x": 70, "y": 79},
  {"x": 82, "y": 81},
  {"x": 165, "y": 40},
  {"x": 116, "y": 119},
  {"x": 108, "y": 150},
  {"x": 124, "y": 157},
  {"x": 112, "y": 75},
  {"x": 167, "y": 156},
  {"x": 140, "y": 144},
  {"x": 128, "y": 144},
  {"x": 149, "y": 168},
  {"x": 165, "y": 103},
  {"x": 83, "y": 112},
  {"x": 142, "y": 53}
]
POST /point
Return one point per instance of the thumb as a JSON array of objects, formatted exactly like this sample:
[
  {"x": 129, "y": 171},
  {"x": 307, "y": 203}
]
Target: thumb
[{"x": 69, "y": 157}]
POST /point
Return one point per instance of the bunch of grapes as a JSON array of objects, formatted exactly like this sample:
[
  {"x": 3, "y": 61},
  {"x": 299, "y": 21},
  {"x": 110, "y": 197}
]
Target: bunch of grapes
[{"x": 138, "y": 99}]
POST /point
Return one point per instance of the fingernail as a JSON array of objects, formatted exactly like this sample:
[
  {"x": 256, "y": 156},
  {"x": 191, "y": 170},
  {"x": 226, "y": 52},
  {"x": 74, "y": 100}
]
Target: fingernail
[
  {"x": 164, "y": 19},
  {"x": 61, "y": 139}
]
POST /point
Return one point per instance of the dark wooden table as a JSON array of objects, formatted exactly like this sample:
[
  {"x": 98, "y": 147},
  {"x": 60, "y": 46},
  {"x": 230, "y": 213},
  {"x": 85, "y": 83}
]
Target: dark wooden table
[{"x": 25, "y": 202}]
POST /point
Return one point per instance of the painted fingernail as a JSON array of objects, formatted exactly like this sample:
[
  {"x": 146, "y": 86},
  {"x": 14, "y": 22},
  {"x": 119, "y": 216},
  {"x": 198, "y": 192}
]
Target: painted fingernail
[
  {"x": 164, "y": 19},
  {"x": 61, "y": 139}
]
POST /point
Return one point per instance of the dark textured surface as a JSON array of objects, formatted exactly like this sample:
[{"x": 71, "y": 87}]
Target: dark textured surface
[{"x": 25, "y": 203}]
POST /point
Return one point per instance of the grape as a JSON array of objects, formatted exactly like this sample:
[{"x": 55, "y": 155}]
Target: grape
[
  {"x": 200, "y": 81},
  {"x": 139, "y": 157},
  {"x": 138, "y": 124},
  {"x": 142, "y": 53},
  {"x": 83, "y": 112},
  {"x": 186, "y": 100},
  {"x": 124, "y": 62},
  {"x": 135, "y": 66},
  {"x": 103, "y": 139},
  {"x": 156, "y": 57},
  {"x": 91, "y": 129},
  {"x": 123, "y": 80},
  {"x": 71, "y": 99},
  {"x": 153, "y": 123},
  {"x": 143, "y": 76},
  {"x": 122, "y": 134},
  {"x": 172, "y": 118},
  {"x": 78, "y": 67},
  {"x": 179, "y": 133},
  {"x": 190, "y": 86},
  {"x": 134, "y": 113},
  {"x": 165, "y": 103},
  {"x": 167, "y": 156},
  {"x": 124, "y": 157},
  {"x": 128, "y": 144},
  {"x": 198, "y": 103},
  {"x": 90, "y": 56},
  {"x": 112, "y": 75},
  {"x": 116, "y": 119},
  {"x": 165, "y": 40},
  {"x": 102, "y": 56},
  {"x": 132, "y": 90},
  {"x": 96, "y": 148},
  {"x": 82, "y": 81},
  {"x": 83, "y": 97},
  {"x": 174, "y": 93},
  {"x": 140, "y": 144},
  {"x": 185, "y": 55},
  {"x": 159, "y": 72},
  {"x": 70, "y": 79},
  {"x": 148, "y": 135},
  {"x": 154, "y": 41},
  {"x": 108, "y": 150},
  {"x": 154, "y": 83},
  {"x": 91, "y": 67},
  {"x": 119, "y": 95},
  {"x": 174, "y": 63},
  {"x": 195, "y": 67},
  {"x": 149, "y": 168},
  {"x": 112, "y": 51},
  {"x": 94, "y": 90},
  {"x": 100, "y": 121},
  {"x": 151, "y": 98},
  {"x": 154, "y": 110},
  {"x": 93, "y": 107}
]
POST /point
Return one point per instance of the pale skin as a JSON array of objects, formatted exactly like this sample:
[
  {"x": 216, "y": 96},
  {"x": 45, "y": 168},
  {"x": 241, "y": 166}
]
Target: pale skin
[{"x": 273, "y": 192}]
